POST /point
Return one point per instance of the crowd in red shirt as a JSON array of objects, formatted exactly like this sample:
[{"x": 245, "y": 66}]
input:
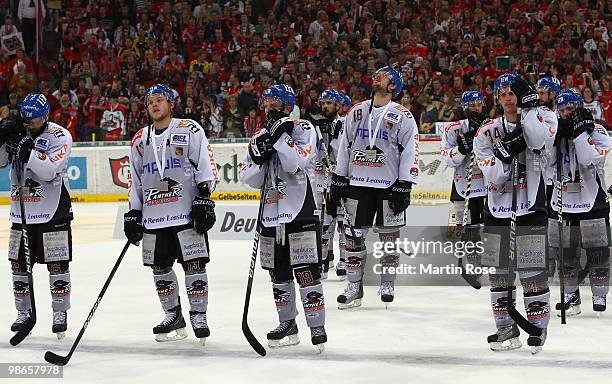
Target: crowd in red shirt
[{"x": 98, "y": 57}]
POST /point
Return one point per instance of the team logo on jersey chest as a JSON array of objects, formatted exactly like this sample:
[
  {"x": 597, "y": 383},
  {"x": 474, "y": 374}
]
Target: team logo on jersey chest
[
  {"x": 32, "y": 192},
  {"x": 41, "y": 144},
  {"x": 155, "y": 196},
  {"x": 363, "y": 158},
  {"x": 179, "y": 139}
]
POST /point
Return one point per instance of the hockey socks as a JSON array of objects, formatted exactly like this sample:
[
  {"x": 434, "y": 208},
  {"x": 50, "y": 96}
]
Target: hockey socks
[
  {"x": 166, "y": 284},
  {"x": 286, "y": 333},
  {"x": 59, "y": 284},
  {"x": 21, "y": 291}
]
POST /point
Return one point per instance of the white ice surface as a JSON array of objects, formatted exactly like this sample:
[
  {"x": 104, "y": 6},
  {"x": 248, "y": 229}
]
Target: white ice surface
[{"x": 428, "y": 335}]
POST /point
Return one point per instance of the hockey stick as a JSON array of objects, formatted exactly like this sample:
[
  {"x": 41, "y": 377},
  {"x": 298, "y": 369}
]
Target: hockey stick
[
  {"x": 560, "y": 229},
  {"x": 246, "y": 330},
  {"x": 56, "y": 359},
  {"x": 514, "y": 314},
  {"x": 31, "y": 321},
  {"x": 470, "y": 279}
]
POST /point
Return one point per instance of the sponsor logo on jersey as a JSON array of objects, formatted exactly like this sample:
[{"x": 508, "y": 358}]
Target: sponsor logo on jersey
[
  {"x": 305, "y": 152},
  {"x": 364, "y": 133},
  {"x": 41, "y": 144},
  {"x": 318, "y": 167},
  {"x": 120, "y": 171},
  {"x": 178, "y": 151},
  {"x": 290, "y": 141},
  {"x": 40, "y": 156},
  {"x": 57, "y": 156},
  {"x": 171, "y": 163},
  {"x": 392, "y": 117},
  {"x": 179, "y": 139},
  {"x": 32, "y": 192},
  {"x": 414, "y": 172},
  {"x": 359, "y": 159}
]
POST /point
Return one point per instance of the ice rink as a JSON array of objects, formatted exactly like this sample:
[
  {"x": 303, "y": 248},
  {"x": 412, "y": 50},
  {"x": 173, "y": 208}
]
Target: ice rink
[{"x": 428, "y": 335}]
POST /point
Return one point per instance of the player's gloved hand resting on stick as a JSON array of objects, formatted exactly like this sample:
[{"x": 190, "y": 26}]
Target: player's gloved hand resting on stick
[
  {"x": 581, "y": 121},
  {"x": 399, "y": 196},
  {"x": 132, "y": 226},
  {"x": 203, "y": 210},
  {"x": 339, "y": 188},
  {"x": 510, "y": 146},
  {"x": 526, "y": 93}
]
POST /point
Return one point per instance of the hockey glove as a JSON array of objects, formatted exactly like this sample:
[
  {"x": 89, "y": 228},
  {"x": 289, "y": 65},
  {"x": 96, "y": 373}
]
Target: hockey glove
[
  {"x": 11, "y": 129},
  {"x": 582, "y": 121},
  {"x": 260, "y": 148},
  {"x": 510, "y": 146},
  {"x": 278, "y": 123},
  {"x": 203, "y": 210},
  {"x": 339, "y": 188},
  {"x": 399, "y": 198},
  {"x": 465, "y": 142},
  {"x": 526, "y": 93},
  {"x": 337, "y": 129},
  {"x": 132, "y": 226},
  {"x": 19, "y": 149},
  {"x": 564, "y": 129},
  {"x": 475, "y": 119}
]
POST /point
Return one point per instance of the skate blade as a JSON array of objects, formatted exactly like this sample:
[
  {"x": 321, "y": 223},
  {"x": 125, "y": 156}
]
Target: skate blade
[
  {"x": 353, "y": 304},
  {"x": 386, "y": 305},
  {"x": 536, "y": 349},
  {"x": 571, "y": 311},
  {"x": 202, "y": 341},
  {"x": 177, "y": 334},
  {"x": 331, "y": 264},
  {"x": 320, "y": 347},
  {"x": 60, "y": 335},
  {"x": 507, "y": 345},
  {"x": 342, "y": 277},
  {"x": 324, "y": 276},
  {"x": 284, "y": 342}
]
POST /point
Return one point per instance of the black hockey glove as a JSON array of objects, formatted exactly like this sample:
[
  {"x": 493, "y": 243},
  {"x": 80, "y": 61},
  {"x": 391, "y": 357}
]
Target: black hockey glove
[
  {"x": 465, "y": 142},
  {"x": 475, "y": 119},
  {"x": 260, "y": 148},
  {"x": 339, "y": 188},
  {"x": 337, "y": 130},
  {"x": 526, "y": 93},
  {"x": 203, "y": 210},
  {"x": 11, "y": 129},
  {"x": 582, "y": 121},
  {"x": 510, "y": 146},
  {"x": 132, "y": 226},
  {"x": 399, "y": 197},
  {"x": 564, "y": 129},
  {"x": 20, "y": 148},
  {"x": 277, "y": 123}
]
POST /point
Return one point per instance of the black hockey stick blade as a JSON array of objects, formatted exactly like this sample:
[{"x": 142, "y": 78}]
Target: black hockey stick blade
[
  {"x": 25, "y": 331},
  {"x": 56, "y": 359},
  {"x": 522, "y": 322},
  {"x": 470, "y": 279},
  {"x": 252, "y": 340}
]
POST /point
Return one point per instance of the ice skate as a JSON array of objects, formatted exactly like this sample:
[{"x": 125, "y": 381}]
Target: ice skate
[
  {"x": 572, "y": 304},
  {"x": 285, "y": 335},
  {"x": 351, "y": 297},
  {"x": 318, "y": 337},
  {"x": 536, "y": 342},
  {"x": 22, "y": 318},
  {"x": 60, "y": 324},
  {"x": 172, "y": 327},
  {"x": 199, "y": 325},
  {"x": 505, "y": 339},
  {"x": 341, "y": 270},
  {"x": 599, "y": 304},
  {"x": 386, "y": 292}
]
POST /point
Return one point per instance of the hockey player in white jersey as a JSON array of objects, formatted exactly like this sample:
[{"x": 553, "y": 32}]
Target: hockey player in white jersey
[
  {"x": 173, "y": 174},
  {"x": 548, "y": 88},
  {"x": 583, "y": 146},
  {"x": 457, "y": 150},
  {"x": 497, "y": 145},
  {"x": 41, "y": 149},
  {"x": 330, "y": 126},
  {"x": 281, "y": 158},
  {"x": 377, "y": 165}
]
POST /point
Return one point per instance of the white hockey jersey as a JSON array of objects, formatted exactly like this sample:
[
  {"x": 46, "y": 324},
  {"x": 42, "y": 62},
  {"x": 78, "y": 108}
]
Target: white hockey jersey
[
  {"x": 165, "y": 171},
  {"x": 449, "y": 150},
  {"x": 378, "y": 148},
  {"x": 289, "y": 171},
  {"x": 498, "y": 175},
  {"x": 550, "y": 120},
  {"x": 583, "y": 164},
  {"x": 46, "y": 194}
]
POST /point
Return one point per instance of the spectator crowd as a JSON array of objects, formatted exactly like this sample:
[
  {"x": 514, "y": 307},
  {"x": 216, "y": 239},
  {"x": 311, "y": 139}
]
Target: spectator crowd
[{"x": 96, "y": 58}]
